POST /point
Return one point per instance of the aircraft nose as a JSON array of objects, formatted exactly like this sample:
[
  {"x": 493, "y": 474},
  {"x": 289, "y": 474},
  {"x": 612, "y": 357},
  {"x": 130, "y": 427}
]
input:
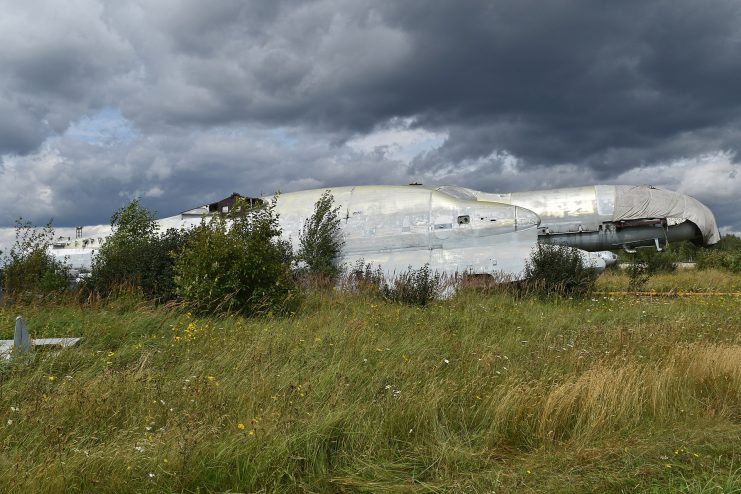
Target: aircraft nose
[{"x": 524, "y": 218}]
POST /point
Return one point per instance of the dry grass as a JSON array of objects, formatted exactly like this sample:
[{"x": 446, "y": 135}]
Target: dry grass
[{"x": 683, "y": 280}]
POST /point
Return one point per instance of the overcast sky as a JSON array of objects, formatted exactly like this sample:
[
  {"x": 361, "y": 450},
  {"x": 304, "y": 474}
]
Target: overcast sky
[{"x": 181, "y": 103}]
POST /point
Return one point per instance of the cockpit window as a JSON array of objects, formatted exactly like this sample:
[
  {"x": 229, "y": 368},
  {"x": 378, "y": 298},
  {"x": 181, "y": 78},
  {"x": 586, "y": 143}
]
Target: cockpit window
[{"x": 464, "y": 219}]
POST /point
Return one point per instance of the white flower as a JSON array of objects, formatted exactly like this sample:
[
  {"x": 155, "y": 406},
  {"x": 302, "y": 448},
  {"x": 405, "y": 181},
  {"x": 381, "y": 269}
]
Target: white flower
[
  {"x": 446, "y": 361},
  {"x": 140, "y": 449},
  {"x": 10, "y": 421},
  {"x": 151, "y": 475}
]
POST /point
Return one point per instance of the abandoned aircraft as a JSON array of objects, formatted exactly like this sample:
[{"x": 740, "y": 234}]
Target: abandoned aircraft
[
  {"x": 609, "y": 217},
  {"x": 454, "y": 229}
]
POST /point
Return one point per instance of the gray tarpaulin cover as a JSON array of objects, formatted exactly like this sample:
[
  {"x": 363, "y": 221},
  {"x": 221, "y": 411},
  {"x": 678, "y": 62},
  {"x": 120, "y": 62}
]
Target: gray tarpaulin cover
[{"x": 636, "y": 202}]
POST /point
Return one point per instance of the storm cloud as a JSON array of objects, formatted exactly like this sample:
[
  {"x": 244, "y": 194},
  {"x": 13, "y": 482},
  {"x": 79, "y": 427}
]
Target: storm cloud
[{"x": 184, "y": 102}]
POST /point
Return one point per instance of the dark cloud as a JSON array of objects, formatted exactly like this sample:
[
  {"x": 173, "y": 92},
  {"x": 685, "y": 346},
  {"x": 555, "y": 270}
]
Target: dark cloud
[{"x": 256, "y": 96}]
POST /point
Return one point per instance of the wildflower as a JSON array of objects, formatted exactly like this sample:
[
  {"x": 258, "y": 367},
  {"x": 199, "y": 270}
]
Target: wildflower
[
  {"x": 252, "y": 432},
  {"x": 10, "y": 421},
  {"x": 14, "y": 409},
  {"x": 140, "y": 449},
  {"x": 51, "y": 378},
  {"x": 210, "y": 378},
  {"x": 240, "y": 426},
  {"x": 151, "y": 475},
  {"x": 446, "y": 361}
]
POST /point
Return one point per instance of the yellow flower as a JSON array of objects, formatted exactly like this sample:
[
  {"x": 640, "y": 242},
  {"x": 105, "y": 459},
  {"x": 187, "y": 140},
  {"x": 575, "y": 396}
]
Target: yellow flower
[
  {"x": 210, "y": 378},
  {"x": 240, "y": 426},
  {"x": 252, "y": 433},
  {"x": 51, "y": 378}
]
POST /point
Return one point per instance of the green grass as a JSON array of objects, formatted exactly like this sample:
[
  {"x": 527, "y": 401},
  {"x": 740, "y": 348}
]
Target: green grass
[{"x": 480, "y": 393}]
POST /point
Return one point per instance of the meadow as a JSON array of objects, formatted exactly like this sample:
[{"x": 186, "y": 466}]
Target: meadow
[{"x": 483, "y": 392}]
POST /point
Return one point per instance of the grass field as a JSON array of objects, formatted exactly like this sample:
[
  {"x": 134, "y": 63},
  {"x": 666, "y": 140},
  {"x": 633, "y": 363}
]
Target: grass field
[{"x": 479, "y": 393}]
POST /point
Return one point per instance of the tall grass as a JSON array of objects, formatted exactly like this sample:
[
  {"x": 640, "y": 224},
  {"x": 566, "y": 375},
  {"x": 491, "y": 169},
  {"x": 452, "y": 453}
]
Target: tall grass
[{"x": 472, "y": 394}]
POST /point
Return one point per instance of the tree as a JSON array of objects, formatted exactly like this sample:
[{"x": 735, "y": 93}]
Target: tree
[
  {"x": 237, "y": 263},
  {"x": 320, "y": 238},
  {"x": 137, "y": 256},
  {"x": 29, "y": 268}
]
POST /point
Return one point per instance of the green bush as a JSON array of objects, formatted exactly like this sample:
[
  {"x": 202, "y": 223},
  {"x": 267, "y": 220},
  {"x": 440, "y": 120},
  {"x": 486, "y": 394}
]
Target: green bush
[
  {"x": 29, "y": 269},
  {"x": 136, "y": 256},
  {"x": 558, "y": 270},
  {"x": 656, "y": 262},
  {"x": 320, "y": 238},
  {"x": 412, "y": 287},
  {"x": 415, "y": 287},
  {"x": 638, "y": 276},
  {"x": 237, "y": 263},
  {"x": 725, "y": 260}
]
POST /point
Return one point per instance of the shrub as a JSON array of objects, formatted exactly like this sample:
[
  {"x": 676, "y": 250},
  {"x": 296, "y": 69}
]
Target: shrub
[
  {"x": 638, "y": 276},
  {"x": 558, "y": 270},
  {"x": 412, "y": 287},
  {"x": 237, "y": 263},
  {"x": 657, "y": 262},
  {"x": 136, "y": 256},
  {"x": 724, "y": 260},
  {"x": 362, "y": 278},
  {"x": 320, "y": 238},
  {"x": 29, "y": 268},
  {"x": 415, "y": 286}
]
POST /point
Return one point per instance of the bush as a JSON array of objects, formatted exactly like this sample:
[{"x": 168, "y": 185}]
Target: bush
[
  {"x": 638, "y": 275},
  {"x": 656, "y": 262},
  {"x": 237, "y": 263},
  {"x": 136, "y": 256},
  {"x": 29, "y": 268},
  {"x": 415, "y": 287},
  {"x": 412, "y": 287},
  {"x": 558, "y": 270},
  {"x": 320, "y": 239},
  {"x": 724, "y": 260}
]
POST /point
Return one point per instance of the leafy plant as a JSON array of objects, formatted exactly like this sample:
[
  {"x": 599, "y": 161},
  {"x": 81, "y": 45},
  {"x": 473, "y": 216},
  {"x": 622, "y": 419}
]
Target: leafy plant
[
  {"x": 638, "y": 276},
  {"x": 412, "y": 287},
  {"x": 725, "y": 255},
  {"x": 320, "y": 238},
  {"x": 29, "y": 268},
  {"x": 558, "y": 270},
  {"x": 237, "y": 263},
  {"x": 136, "y": 256},
  {"x": 415, "y": 286}
]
